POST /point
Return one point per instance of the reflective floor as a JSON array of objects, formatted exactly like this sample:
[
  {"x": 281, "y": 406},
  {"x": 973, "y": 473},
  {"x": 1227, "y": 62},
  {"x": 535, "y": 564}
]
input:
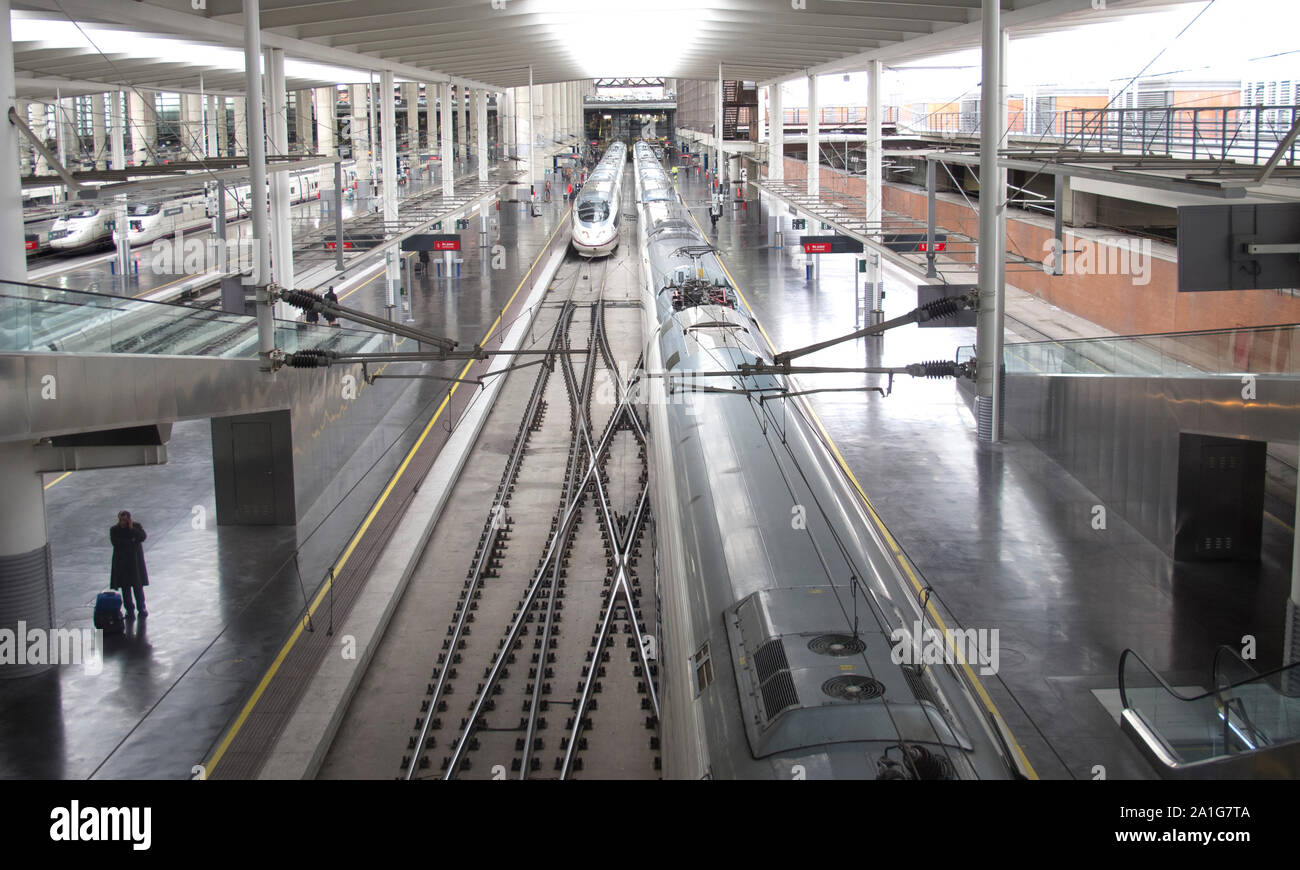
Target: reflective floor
[
  {"x": 1003, "y": 534},
  {"x": 221, "y": 599}
]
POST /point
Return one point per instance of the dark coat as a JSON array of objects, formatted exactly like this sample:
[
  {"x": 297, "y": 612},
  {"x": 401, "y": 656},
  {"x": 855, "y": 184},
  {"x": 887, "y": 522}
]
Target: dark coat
[{"x": 128, "y": 557}]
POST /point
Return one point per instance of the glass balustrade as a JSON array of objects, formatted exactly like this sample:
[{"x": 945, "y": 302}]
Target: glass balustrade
[
  {"x": 1241, "y": 711},
  {"x": 1267, "y": 350},
  {"x": 56, "y": 320}
]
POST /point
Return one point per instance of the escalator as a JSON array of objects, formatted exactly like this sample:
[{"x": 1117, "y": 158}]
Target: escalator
[{"x": 1247, "y": 726}]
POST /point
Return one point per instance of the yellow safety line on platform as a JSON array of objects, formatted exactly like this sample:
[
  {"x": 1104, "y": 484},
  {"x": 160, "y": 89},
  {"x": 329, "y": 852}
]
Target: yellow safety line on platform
[
  {"x": 365, "y": 525},
  {"x": 1280, "y": 522},
  {"x": 57, "y": 479},
  {"x": 899, "y": 556}
]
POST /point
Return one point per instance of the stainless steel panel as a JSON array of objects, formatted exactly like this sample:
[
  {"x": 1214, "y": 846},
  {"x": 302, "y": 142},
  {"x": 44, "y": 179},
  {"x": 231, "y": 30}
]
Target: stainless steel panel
[{"x": 1119, "y": 435}]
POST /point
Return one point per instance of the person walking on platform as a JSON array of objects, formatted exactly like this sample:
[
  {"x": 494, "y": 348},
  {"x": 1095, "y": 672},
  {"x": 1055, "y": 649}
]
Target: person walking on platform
[
  {"x": 331, "y": 296},
  {"x": 674, "y": 175},
  {"x": 128, "y": 572},
  {"x": 715, "y": 211}
]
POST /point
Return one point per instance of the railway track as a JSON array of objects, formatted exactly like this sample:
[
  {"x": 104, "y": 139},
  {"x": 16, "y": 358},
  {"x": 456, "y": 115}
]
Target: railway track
[{"x": 532, "y": 679}]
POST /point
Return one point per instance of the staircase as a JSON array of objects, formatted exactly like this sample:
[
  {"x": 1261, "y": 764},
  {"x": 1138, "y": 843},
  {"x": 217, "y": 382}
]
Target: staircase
[{"x": 739, "y": 109}]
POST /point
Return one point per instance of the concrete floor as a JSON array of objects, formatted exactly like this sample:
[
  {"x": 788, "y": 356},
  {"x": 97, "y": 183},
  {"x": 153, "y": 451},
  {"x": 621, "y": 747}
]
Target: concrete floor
[
  {"x": 222, "y": 599},
  {"x": 1001, "y": 532}
]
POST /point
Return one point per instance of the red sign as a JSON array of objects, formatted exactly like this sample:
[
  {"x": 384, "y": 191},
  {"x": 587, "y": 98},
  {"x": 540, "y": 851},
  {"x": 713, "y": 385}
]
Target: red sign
[
  {"x": 817, "y": 248},
  {"x": 939, "y": 247},
  {"x": 32, "y": 245},
  {"x": 447, "y": 245},
  {"x": 334, "y": 246}
]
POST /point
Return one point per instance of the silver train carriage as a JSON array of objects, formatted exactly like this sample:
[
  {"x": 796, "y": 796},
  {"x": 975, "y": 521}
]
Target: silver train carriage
[
  {"x": 595, "y": 210},
  {"x": 782, "y": 609}
]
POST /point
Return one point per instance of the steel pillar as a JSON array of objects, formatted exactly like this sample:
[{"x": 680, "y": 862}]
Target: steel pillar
[
  {"x": 814, "y": 140},
  {"x": 256, "y": 144},
  {"x": 988, "y": 339}
]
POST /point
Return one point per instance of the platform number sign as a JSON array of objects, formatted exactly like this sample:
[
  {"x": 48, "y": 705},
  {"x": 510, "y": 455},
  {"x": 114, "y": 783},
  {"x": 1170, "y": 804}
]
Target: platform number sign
[{"x": 799, "y": 224}]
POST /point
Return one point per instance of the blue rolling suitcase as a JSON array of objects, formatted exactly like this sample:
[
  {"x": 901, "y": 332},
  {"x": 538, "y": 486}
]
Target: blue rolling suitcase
[{"x": 108, "y": 612}]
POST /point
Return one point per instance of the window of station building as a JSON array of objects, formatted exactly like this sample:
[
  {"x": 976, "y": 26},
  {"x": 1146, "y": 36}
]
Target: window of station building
[{"x": 702, "y": 665}]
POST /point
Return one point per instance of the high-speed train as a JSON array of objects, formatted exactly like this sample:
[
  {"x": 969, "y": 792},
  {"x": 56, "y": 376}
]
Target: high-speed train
[
  {"x": 786, "y": 623},
  {"x": 89, "y": 225},
  {"x": 595, "y": 212}
]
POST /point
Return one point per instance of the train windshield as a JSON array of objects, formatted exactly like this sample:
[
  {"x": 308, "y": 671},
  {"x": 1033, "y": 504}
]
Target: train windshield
[
  {"x": 593, "y": 210},
  {"x": 144, "y": 210},
  {"x": 84, "y": 213}
]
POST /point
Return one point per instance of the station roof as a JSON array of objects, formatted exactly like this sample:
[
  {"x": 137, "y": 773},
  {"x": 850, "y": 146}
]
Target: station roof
[{"x": 494, "y": 42}]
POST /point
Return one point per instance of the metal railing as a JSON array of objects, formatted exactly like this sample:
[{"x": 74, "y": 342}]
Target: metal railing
[{"x": 1248, "y": 134}]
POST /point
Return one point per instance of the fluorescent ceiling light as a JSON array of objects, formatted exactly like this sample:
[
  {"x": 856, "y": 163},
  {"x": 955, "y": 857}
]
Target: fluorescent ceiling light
[{"x": 609, "y": 38}]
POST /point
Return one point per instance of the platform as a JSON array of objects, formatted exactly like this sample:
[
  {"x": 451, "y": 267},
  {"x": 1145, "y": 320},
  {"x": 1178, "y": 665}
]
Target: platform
[
  {"x": 1001, "y": 532},
  {"x": 222, "y": 599}
]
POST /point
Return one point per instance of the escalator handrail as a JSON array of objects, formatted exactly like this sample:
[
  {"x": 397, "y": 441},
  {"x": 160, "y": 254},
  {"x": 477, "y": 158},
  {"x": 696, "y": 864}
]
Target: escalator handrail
[{"x": 1123, "y": 694}]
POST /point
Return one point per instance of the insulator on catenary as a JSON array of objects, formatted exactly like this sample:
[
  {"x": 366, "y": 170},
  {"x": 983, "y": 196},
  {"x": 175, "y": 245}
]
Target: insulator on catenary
[
  {"x": 940, "y": 308},
  {"x": 303, "y": 299},
  {"x": 934, "y": 369},
  {"x": 307, "y": 359}
]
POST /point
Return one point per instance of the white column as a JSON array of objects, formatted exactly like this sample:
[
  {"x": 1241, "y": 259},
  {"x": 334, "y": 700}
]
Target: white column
[
  {"x": 223, "y": 129},
  {"x": 117, "y": 133},
  {"x": 255, "y": 142},
  {"x": 241, "y": 127},
  {"x": 430, "y": 115},
  {"x": 988, "y": 340},
  {"x": 814, "y": 139},
  {"x": 448, "y": 153},
  {"x": 210, "y": 135},
  {"x": 480, "y": 107},
  {"x": 371, "y": 129},
  {"x": 36, "y": 114},
  {"x": 24, "y": 109},
  {"x": 526, "y": 138},
  {"x": 457, "y": 139},
  {"x": 463, "y": 92},
  {"x": 776, "y": 145},
  {"x": 326, "y": 125},
  {"x": 99, "y": 124},
  {"x": 281, "y": 205},
  {"x": 357, "y": 128},
  {"x": 566, "y": 111},
  {"x": 141, "y": 125},
  {"x": 13, "y": 252},
  {"x": 388, "y": 141},
  {"x": 303, "y": 123},
  {"x": 411, "y": 94},
  {"x": 61, "y": 130},
  {"x": 875, "y": 164},
  {"x": 717, "y": 130}
]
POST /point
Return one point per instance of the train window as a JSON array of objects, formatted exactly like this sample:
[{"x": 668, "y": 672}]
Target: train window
[
  {"x": 702, "y": 664},
  {"x": 593, "y": 210}
]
